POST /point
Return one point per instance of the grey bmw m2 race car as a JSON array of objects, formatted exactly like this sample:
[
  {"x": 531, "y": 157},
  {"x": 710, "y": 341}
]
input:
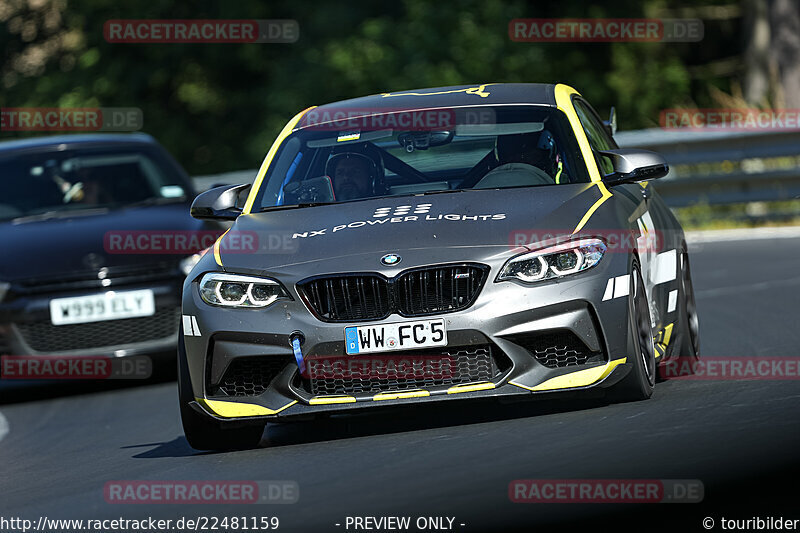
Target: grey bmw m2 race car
[{"x": 439, "y": 244}]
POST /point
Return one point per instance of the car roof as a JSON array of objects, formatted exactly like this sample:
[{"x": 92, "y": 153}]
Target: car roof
[
  {"x": 74, "y": 141},
  {"x": 486, "y": 94}
]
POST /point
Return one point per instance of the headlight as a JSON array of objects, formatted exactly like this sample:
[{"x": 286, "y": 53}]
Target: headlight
[
  {"x": 230, "y": 290},
  {"x": 188, "y": 263},
  {"x": 555, "y": 261}
]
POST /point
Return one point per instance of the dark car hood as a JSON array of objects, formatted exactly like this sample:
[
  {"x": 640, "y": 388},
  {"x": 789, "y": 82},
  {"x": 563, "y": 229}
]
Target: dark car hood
[
  {"x": 58, "y": 246},
  {"x": 422, "y": 228}
]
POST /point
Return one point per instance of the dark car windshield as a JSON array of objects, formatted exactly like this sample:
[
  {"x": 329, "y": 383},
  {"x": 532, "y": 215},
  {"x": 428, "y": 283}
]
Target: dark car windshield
[
  {"x": 69, "y": 181},
  {"x": 334, "y": 159}
]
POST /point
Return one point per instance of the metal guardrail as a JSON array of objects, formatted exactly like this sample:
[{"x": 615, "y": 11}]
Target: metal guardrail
[
  {"x": 708, "y": 167},
  {"x": 719, "y": 168}
]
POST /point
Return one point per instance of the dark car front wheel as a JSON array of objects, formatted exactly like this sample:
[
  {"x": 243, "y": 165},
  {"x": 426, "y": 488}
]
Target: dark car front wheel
[{"x": 202, "y": 432}]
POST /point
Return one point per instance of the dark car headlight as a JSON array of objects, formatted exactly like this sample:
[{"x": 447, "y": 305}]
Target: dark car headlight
[
  {"x": 188, "y": 263},
  {"x": 232, "y": 290},
  {"x": 554, "y": 262}
]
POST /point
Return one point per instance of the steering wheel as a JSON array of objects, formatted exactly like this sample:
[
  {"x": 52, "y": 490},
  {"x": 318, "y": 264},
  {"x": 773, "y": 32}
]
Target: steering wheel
[
  {"x": 309, "y": 191},
  {"x": 514, "y": 175}
]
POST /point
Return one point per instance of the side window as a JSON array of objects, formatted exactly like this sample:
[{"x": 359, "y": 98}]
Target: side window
[{"x": 598, "y": 138}]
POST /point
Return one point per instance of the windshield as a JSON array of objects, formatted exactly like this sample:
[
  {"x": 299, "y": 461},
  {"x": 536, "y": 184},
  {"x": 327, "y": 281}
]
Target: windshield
[
  {"x": 345, "y": 160},
  {"x": 64, "y": 182}
]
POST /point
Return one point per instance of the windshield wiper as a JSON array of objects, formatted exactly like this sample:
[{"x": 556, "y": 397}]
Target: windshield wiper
[
  {"x": 59, "y": 213},
  {"x": 155, "y": 200},
  {"x": 441, "y": 192},
  {"x": 293, "y": 206}
]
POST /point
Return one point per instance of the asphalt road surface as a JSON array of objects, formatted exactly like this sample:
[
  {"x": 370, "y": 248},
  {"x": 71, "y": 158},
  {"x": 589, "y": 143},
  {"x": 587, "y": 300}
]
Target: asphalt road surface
[{"x": 741, "y": 439}]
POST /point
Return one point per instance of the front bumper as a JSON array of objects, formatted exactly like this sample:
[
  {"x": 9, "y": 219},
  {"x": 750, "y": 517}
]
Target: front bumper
[
  {"x": 506, "y": 316},
  {"x": 26, "y": 328}
]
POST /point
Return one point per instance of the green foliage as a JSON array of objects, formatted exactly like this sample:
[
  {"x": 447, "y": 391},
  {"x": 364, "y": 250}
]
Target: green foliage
[{"x": 218, "y": 107}]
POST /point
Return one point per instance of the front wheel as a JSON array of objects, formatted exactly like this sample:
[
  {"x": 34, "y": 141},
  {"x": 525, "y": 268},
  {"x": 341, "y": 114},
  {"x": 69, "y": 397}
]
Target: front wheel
[
  {"x": 204, "y": 433},
  {"x": 687, "y": 350},
  {"x": 690, "y": 342},
  {"x": 641, "y": 380}
]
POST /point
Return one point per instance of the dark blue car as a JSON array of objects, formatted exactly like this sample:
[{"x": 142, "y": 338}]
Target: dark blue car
[{"x": 96, "y": 241}]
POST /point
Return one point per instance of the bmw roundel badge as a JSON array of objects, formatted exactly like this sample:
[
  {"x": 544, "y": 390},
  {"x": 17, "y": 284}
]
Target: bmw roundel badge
[{"x": 390, "y": 259}]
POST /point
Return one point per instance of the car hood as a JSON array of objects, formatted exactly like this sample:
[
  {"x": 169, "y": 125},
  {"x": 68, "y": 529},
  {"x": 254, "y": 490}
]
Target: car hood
[
  {"x": 422, "y": 229},
  {"x": 62, "y": 245}
]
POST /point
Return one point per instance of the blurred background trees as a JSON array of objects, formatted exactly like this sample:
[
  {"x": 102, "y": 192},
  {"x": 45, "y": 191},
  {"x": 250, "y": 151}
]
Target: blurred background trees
[{"x": 217, "y": 107}]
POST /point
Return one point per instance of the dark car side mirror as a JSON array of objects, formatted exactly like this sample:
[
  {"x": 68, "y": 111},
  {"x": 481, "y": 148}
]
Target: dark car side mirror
[
  {"x": 632, "y": 165},
  {"x": 611, "y": 123},
  {"x": 219, "y": 203}
]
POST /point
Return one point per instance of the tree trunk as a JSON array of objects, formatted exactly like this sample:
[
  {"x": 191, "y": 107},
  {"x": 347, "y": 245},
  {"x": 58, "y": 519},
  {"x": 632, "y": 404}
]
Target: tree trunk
[
  {"x": 757, "y": 53},
  {"x": 785, "y": 29}
]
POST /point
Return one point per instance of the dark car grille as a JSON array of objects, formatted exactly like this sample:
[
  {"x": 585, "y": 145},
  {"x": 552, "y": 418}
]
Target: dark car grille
[
  {"x": 437, "y": 290},
  {"x": 91, "y": 279},
  {"x": 418, "y": 292},
  {"x": 452, "y": 366},
  {"x": 45, "y": 337},
  {"x": 558, "y": 350},
  {"x": 250, "y": 376},
  {"x": 363, "y": 297},
  {"x": 5, "y": 345}
]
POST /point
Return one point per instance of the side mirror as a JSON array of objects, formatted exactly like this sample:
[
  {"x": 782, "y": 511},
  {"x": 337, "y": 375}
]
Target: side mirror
[
  {"x": 219, "y": 203},
  {"x": 632, "y": 165},
  {"x": 611, "y": 123}
]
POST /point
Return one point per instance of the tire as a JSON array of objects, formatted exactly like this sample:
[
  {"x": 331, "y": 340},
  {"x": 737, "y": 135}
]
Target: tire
[
  {"x": 202, "y": 432},
  {"x": 639, "y": 383},
  {"x": 688, "y": 334},
  {"x": 690, "y": 337}
]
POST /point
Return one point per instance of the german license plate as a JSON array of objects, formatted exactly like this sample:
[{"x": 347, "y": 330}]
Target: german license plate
[
  {"x": 98, "y": 307},
  {"x": 396, "y": 336}
]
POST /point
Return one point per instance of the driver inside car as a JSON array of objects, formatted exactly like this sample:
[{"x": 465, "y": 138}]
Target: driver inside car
[
  {"x": 354, "y": 175},
  {"x": 530, "y": 149},
  {"x": 523, "y": 159}
]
